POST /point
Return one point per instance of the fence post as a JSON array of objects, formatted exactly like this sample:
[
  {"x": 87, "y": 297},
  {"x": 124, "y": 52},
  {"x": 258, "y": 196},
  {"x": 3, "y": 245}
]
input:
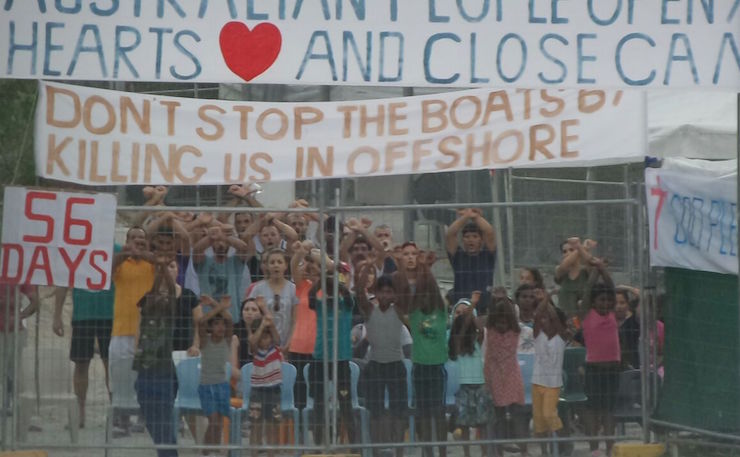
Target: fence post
[
  {"x": 322, "y": 242},
  {"x": 335, "y": 320}
]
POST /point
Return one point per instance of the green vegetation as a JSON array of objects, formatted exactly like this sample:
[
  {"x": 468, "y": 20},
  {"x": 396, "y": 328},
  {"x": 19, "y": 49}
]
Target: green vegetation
[{"x": 17, "y": 102}]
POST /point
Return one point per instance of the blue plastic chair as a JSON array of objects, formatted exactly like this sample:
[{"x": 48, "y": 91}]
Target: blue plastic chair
[
  {"x": 526, "y": 365},
  {"x": 188, "y": 380},
  {"x": 452, "y": 384},
  {"x": 363, "y": 412},
  {"x": 287, "y": 402}
]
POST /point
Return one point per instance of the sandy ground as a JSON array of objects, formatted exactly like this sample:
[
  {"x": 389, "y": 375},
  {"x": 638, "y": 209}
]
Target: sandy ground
[{"x": 53, "y": 435}]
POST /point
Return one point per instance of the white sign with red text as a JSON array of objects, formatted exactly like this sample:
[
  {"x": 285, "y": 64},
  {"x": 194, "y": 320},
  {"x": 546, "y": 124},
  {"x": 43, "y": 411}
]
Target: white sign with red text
[
  {"x": 692, "y": 220},
  {"x": 57, "y": 238}
]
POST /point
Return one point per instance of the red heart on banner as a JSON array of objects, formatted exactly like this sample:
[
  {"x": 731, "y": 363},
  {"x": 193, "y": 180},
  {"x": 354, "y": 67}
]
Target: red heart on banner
[{"x": 248, "y": 53}]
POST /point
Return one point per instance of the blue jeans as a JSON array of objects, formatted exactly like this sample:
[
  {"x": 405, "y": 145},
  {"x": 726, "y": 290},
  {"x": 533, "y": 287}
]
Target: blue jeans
[{"x": 156, "y": 397}]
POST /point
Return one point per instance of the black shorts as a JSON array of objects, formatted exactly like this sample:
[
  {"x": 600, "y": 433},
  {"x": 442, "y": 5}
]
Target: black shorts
[
  {"x": 601, "y": 386},
  {"x": 316, "y": 378},
  {"x": 379, "y": 376},
  {"x": 84, "y": 334},
  {"x": 264, "y": 404},
  {"x": 429, "y": 387}
]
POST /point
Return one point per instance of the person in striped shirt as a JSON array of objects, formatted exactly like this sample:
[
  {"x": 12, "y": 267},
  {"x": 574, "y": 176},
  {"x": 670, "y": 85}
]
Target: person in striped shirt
[{"x": 264, "y": 397}]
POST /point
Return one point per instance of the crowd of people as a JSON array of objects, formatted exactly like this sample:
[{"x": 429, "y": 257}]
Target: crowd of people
[{"x": 246, "y": 287}]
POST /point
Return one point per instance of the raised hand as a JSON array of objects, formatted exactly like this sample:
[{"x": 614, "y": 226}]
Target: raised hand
[
  {"x": 214, "y": 232},
  {"x": 590, "y": 244},
  {"x": 238, "y": 190},
  {"x": 228, "y": 230},
  {"x": 205, "y": 218}
]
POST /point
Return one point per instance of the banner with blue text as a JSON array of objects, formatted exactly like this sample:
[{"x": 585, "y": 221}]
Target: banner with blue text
[
  {"x": 465, "y": 43},
  {"x": 693, "y": 219}
]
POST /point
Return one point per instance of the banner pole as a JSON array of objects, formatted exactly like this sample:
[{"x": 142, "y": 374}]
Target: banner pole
[
  {"x": 647, "y": 294},
  {"x": 737, "y": 196},
  {"x": 325, "y": 361}
]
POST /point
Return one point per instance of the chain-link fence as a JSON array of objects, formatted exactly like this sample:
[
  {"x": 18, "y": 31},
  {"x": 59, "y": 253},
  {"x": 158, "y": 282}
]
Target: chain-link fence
[{"x": 428, "y": 383}]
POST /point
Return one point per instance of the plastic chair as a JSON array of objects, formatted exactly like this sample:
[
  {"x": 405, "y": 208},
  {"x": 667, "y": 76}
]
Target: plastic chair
[
  {"x": 363, "y": 412},
  {"x": 188, "y": 399},
  {"x": 628, "y": 407},
  {"x": 55, "y": 388},
  {"x": 123, "y": 394},
  {"x": 572, "y": 394},
  {"x": 452, "y": 384},
  {"x": 574, "y": 361},
  {"x": 188, "y": 380},
  {"x": 287, "y": 402},
  {"x": 526, "y": 365}
]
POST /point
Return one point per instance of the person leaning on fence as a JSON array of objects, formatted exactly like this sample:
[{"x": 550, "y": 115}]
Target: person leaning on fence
[
  {"x": 474, "y": 262},
  {"x": 264, "y": 397},
  {"x": 417, "y": 293},
  {"x": 385, "y": 369},
  {"x": 547, "y": 373},
  {"x": 384, "y": 234},
  {"x": 92, "y": 320},
  {"x": 216, "y": 328},
  {"x": 526, "y": 302},
  {"x": 156, "y": 383},
  {"x": 133, "y": 277},
  {"x": 266, "y": 233},
  {"x": 221, "y": 274},
  {"x": 473, "y": 400},
  {"x": 360, "y": 245},
  {"x": 600, "y": 335},
  {"x": 169, "y": 238},
  {"x": 629, "y": 327},
  {"x": 502, "y": 373},
  {"x": 531, "y": 276},
  {"x": 572, "y": 274},
  {"x": 279, "y": 295},
  {"x": 305, "y": 266},
  {"x": 318, "y": 299}
]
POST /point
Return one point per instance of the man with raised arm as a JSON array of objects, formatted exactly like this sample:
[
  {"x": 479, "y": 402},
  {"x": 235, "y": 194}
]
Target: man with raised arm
[{"x": 473, "y": 263}]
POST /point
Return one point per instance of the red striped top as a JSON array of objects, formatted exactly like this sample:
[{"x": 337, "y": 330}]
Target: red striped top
[{"x": 267, "y": 366}]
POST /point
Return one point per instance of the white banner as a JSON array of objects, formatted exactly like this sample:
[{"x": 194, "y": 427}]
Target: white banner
[
  {"x": 692, "y": 220},
  {"x": 100, "y": 137},
  {"x": 57, "y": 238},
  {"x": 465, "y": 43}
]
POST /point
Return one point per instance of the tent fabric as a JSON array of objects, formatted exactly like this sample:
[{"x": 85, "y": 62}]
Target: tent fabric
[
  {"x": 703, "y": 168},
  {"x": 697, "y": 125},
  {"x": 701, "y": 351}
]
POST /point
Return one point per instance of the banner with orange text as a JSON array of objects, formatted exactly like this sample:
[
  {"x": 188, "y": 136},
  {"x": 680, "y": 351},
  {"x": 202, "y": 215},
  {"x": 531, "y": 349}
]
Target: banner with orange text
[{"x": 102, "y": 137}]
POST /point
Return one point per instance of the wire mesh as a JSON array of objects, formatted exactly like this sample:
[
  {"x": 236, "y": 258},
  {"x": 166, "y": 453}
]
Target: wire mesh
[{"x": 376, "y": 401}]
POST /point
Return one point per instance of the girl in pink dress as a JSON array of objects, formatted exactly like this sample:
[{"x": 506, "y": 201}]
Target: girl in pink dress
[{"x": 501, "y": 370}]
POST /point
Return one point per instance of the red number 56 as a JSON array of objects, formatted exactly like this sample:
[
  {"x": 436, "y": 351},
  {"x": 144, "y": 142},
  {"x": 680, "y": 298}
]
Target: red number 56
[{"x": 69, "y": 221}]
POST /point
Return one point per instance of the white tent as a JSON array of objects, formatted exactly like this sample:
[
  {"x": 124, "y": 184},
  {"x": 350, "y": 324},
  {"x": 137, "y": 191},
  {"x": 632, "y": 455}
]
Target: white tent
[{"x": 696, "y": 125}]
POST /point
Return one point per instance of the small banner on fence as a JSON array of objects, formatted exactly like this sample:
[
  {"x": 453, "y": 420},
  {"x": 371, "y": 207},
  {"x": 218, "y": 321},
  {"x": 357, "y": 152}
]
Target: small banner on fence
[
  {"x": 518, "y": 43},
  {"x": 57, "y": 238},
  {"x": 101, "y": 137},
  {"x": 692, "y": 220}
]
